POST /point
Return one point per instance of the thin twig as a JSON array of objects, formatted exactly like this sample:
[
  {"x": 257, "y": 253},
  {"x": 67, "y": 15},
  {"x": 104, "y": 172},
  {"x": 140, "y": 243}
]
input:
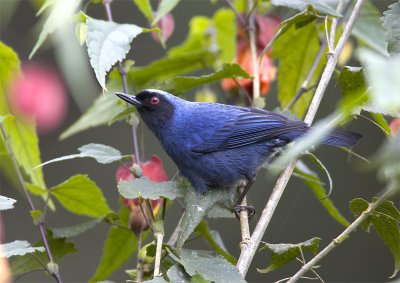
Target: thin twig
[
  {"x": 157, "y": 262},
  {"x": 253, "y": 49},
  {"x": 238, "y": 15},
  {"x": 250, "y": 249},
  {"x": 344, "y": 235},
  {"x": 55, "y": 273},
  {"x": 139, "y": 267},
  {"x": 244, "y": 221}
]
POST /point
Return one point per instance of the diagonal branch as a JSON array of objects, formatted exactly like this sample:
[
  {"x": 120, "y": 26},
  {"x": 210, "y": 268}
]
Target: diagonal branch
[{"x": 249, "y": 250}]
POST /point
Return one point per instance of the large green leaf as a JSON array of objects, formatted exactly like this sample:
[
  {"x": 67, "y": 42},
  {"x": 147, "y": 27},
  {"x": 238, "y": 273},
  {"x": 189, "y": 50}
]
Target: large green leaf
[
  {"x": 6, "y": 203},
  {"x": 108, "y": 43},
  {"x": 164, "y": 7},
  {"x": 197, "y": 208},
  {"x": 9, "y": 66},
  {"x": 80, "y": 195},
  {"x": 368, "y": 29},
  {"x": 391, "y": 24},
  {"x": 385, "y": 220},
  {"x": 383, "y": 74},
  {"x": 103, "y": 154},
  {"x": 182, "y": 84},
  {"x": 60, "y": 13},
  {"x": 25, "y": 146},
  {"x": 170, "y": 66},
  {"x": 27, "y": 263},
  {"x": 225, "y": 26},
  {"x": 104, "y": 108},
  {"x": 145, "y": 7},
  {"x": 296, "y": 50},
  {"x": 118, "y": 248},
  {"x": 145, "y": 188},
  {"x": 210, "y": 266},
  {"x": 320, "y": 6},
  {"x": 312, "y": 180},
  {"x": 284, "y": 253},
  {"x": 18, "y": 248}
]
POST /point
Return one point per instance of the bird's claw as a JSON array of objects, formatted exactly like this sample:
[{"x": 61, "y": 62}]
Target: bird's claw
[{"x": 238, "y": 208}]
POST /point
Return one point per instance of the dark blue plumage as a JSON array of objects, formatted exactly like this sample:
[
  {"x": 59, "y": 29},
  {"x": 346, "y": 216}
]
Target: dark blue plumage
[{"x": 217, "y": 145}]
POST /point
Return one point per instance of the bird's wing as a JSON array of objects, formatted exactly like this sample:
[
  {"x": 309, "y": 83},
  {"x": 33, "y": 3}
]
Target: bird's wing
[{"x": 248, "y": 126}]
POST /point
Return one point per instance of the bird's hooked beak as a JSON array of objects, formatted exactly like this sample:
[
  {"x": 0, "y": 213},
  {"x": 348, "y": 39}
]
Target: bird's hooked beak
[{"x": 131, "y": 99}]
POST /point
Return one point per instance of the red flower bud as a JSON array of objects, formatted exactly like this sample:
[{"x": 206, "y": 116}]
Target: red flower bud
[
  {"x": 395, "y": 126},
  {"x": 167, "y": 25},
  {"x": 154, "y": 170},
  {"x": 40, "y": 95}
]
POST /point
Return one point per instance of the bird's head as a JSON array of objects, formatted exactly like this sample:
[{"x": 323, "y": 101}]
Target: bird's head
[{"x": 156, "y": 107}]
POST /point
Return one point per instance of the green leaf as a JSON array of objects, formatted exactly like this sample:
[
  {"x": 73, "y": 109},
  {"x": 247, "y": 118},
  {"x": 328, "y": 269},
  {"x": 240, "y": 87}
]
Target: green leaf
[
  {"x": 203, "y": 230},
  {"x": 37, "y": 216},
  {"x": 25, "y": 146},
  {"x": 36, "y": 190},
  {"x": 104, "y": 108},
  {"x": 284, "y": 253},
  {"x": 226, "y": 29},
  {"x": 75, "y": 230},
  {"x": 164, "y": 7},
  {"x": 80, "y": 195},
  {"x": 27, "y": 263},
  {"x": 18, "y": 248},
  {"x": 6, "y": 203},
  {"x": 145, "y": 188},
  {"x": 157, "y": 280},
  {"x": 383, "y": 74},
  {"x": 354, "y": 89},
  {"x": 169, "y": 67},
  {"x": 320, "y": 6},
  {"x": 124, "y": 114},
  {"x": 368, "y": 29},
  {"x": 312, "y": 180},
  {"x": 182, "y": 84},
  {"x": 145, "y": 7},
  {"x": 296, "y": 50},
  {"x": 59, "y": 15},
  {"x": 385, "y": 220},
  {"x": 210, "y": 266},
  {"x": 118, "y": 248},
  {"x": 108, "y": 43},
  {"x": 197, "y": 207},
  {"x": 177, "y": 274},
  {"x": 381, "y": 121},
  {"x": 103, "y": 154},
  {"x": 391, "y": 24}
]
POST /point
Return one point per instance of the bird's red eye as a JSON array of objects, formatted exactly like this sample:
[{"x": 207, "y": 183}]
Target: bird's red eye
[{"x": 154, "y": 100}]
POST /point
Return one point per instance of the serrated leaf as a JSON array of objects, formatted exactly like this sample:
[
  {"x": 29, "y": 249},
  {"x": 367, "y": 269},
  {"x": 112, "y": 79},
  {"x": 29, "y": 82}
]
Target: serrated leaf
[
  {"x": 296, "y": 50},
  {"x": 104, "y": 108},
  {"x": 385, "y": 220},
  {"x": 170, "y": 66},
  {"x": 6, "y": 203},
  {"x": 197, "y": 207},
  {"x": 210, "y": 266},
  {"x": 103, "y": 154},
  {"x": 391, "y": 24},
  {"x": 25, "y": 146},
  {"x": 368, "y": 29},
  {"x": 59, "y": 15},
  {"x": 354, "y": 89},
  {"x": 177, "y": 274},
  {"x": 18, "y": 248},
  {"x": 145, "y": 188},
  {"x": 284, "y": 253},
  {"x": 108, "y": 43},
  {"x": 27, "y": 263},
  {"x": 164, "y": 7},
  {"x": 226, "y": 29},
  {"x": 312, "y": 180},
  {"x": 203, "y": 230},
  {"x": 383, "y": 74},
  {"x": 179, "y": 85},
  {"x": 320, "y": 6},
  {"x": 145, "y": 7},
  {"x": 75, "y": 230},
  {"x": 118, "y": 248},
  {"x": 80, "y": 195}
]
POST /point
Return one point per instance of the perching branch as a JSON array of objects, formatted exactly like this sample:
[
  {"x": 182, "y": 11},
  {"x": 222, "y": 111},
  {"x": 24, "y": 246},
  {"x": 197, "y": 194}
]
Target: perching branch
[
  {"x": 157, "y": 262},
  {"x": 54, "y": 272},
  {"x": 344, "y": 235},
  {"x": 249, "y": 250}
]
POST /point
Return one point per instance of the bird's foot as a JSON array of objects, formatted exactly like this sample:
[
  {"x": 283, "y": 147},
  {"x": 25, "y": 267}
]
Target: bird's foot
[{"x": 238, "y": 208}]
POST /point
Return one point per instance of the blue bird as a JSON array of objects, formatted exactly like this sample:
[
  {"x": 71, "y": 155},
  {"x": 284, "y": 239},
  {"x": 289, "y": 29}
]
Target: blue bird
[{"x": 217, "y": 145}]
